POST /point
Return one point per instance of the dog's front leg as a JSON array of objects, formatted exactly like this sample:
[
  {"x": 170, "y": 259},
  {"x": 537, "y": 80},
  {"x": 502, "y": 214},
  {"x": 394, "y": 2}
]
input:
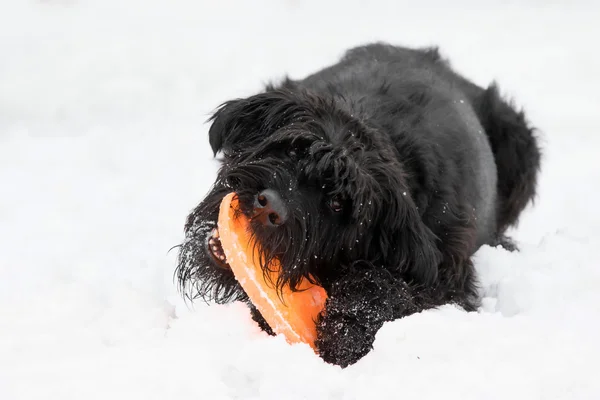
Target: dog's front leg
[{"x": 357, "y": 306}]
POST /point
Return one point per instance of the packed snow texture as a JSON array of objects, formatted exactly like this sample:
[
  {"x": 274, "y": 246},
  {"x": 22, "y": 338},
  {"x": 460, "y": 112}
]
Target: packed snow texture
[{"x": 103, "y": 151}]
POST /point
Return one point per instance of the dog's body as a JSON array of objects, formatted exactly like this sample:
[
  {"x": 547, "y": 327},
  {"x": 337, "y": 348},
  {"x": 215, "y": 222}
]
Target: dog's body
[{"x": 379, "y": 176}]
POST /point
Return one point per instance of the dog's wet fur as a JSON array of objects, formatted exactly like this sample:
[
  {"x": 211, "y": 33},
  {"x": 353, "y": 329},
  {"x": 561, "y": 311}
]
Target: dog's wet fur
[{"x": 378, "y": 178}]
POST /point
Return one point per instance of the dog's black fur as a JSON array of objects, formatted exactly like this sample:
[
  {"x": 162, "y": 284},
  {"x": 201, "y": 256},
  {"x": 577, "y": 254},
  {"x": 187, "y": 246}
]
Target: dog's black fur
[{"x": 393, "y": 169}]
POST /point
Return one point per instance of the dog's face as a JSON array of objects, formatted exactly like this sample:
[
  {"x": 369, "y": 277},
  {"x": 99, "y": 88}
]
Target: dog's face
[{"x": 321, "y": 190}]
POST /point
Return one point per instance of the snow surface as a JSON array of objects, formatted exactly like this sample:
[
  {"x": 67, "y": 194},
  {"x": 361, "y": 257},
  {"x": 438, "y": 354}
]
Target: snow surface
[{"x": 103, "y": 151}]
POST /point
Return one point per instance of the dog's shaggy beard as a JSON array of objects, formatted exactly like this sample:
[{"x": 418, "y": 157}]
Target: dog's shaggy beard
[
  {"x": 296, "y": 244},
  {"x": 197, "y": 274}
]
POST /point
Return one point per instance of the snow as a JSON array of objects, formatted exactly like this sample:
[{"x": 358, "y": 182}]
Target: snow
[{"x": 103, "y": 151}]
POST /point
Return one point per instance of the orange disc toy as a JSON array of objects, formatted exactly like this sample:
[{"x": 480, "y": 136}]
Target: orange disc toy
[{"x": 294, "y": 317}]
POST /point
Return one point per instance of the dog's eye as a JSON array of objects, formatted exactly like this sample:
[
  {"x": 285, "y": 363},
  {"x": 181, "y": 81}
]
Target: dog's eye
[
  {"x": 294, "y": 152},
  {"x": 336, "y": 204}
]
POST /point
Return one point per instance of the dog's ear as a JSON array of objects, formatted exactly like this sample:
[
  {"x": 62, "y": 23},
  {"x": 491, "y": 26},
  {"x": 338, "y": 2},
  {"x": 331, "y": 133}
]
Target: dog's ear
[
  {"x": 240, "y": 123},
  {"x": 410, "y": 247},
  {"x": 223, "y": 123},
  {"x": 420, "y": 256}
]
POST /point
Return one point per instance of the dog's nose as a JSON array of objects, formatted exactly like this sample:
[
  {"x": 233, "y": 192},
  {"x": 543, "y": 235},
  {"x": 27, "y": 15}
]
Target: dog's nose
[{"x": 269, "y": 208}]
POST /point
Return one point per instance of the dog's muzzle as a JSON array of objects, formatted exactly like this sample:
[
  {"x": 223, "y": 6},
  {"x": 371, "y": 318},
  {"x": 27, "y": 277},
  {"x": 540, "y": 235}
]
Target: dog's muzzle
[{"x": 269, "y": 209}]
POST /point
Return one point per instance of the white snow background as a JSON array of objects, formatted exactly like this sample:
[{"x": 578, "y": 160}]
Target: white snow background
[{"x": 104, "y": 150}]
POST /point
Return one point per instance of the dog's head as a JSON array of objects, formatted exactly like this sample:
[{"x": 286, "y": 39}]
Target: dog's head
[{"x": 323, "y": 192}]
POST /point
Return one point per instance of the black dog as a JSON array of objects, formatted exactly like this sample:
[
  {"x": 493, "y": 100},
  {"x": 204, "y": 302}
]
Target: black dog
[{"x": 379, "y": 177}]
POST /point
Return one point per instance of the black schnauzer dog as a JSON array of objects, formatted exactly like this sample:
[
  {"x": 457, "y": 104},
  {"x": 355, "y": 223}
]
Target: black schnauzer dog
[{"x": 378, "y": 177}]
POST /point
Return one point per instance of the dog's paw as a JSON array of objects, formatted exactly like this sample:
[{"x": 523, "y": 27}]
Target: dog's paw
[
  {"x": 358, "y": 305},
  {"x": 342, "y": 341},
  {"x": 507, "y": 243}
]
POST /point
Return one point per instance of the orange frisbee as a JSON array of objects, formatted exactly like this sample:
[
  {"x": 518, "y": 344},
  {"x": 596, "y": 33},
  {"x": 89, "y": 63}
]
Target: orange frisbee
[{"x": 294, "y": 317}]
